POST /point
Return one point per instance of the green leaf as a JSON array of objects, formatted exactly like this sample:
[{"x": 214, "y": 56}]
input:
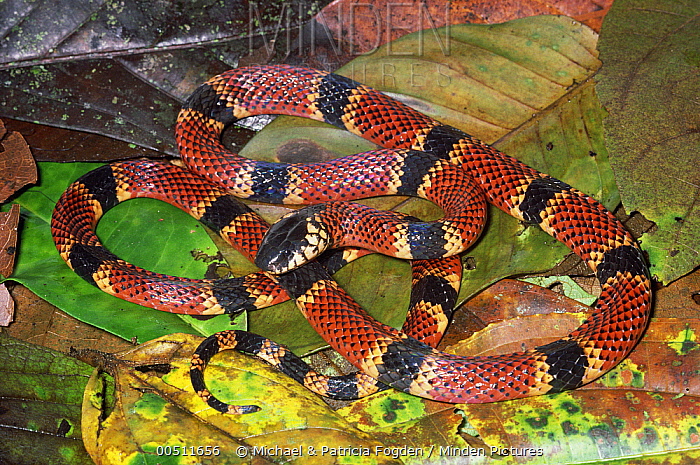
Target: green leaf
[
  {"x": 40, "y": 414},
  {"x": 649, "y": 84}
]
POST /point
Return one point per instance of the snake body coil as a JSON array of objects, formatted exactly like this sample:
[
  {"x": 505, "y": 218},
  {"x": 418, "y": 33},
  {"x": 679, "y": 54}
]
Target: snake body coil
[{"x": 391, "y": 356}]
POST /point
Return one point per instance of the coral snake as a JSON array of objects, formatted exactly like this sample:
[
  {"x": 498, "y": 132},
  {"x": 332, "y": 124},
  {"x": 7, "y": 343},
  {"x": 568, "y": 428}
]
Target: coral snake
[{"x": 422, "y": 158}]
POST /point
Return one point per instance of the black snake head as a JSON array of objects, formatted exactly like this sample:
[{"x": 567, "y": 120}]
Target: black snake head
[{"x": 293, "y": 241}]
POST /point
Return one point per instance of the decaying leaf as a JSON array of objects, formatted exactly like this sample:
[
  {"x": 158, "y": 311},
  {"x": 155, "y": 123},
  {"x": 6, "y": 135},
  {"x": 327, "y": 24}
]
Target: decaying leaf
[
  {"x": 680, "y": 299},
  {"x": 17, "y": 168},
  {"x": 7, "y": 306},
  {"x": 632, "y": 411},
  {"x": 40, "y": 397},
  {"x": 8, "y": 248},
  {"x": 649, "y": 85},
  {"x": 51, "y": 143},
  {"x": 122, "y": 69},
  {"x": 8, "y": 240},
  {"x": 156, "y": 416},
  {"x": 368, "y": 25},
  {"x": 647, "y": 406}
]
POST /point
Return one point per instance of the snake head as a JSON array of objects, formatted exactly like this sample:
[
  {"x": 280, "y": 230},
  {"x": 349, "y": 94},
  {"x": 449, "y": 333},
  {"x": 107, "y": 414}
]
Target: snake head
[{"x": 294, "y": 240}]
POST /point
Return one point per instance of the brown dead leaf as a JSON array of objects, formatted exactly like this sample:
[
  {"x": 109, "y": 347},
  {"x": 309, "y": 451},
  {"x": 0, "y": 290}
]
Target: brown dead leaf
[
  {"x": 646, "y": 405},
  {"x": 519, "y": 334},
  {"x": 7, "y": 306},
  {"x": 366, "y": 26},
  {"x": 506, "y": 299},
  {"x": 17, "y": 168},
  {"x": 8, "y": 240},
  {"x": 681, "y": 298},
  {"x": 50, "y": 143},
  {"x": 41, "y": 323},
  {"x": 665, "y": 361}
]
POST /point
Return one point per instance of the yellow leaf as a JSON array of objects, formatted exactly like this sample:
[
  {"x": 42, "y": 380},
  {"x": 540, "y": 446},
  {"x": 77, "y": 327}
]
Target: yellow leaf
[{"x": 157, "y": 418}]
